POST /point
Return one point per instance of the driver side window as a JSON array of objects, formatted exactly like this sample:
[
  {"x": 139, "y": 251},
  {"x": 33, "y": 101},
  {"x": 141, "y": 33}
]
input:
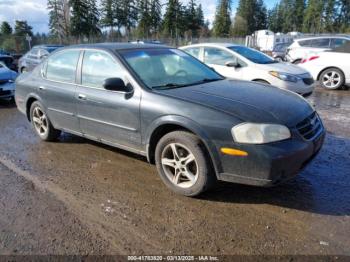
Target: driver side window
[{"x": 217, "y": 56}]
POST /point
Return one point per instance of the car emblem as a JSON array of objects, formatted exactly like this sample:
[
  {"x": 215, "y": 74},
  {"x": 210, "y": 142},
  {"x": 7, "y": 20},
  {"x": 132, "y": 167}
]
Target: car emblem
[{"x": 313, "y": 121}]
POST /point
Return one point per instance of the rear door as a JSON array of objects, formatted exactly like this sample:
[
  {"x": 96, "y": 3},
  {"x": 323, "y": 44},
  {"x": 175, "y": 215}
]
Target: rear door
[
  {"x": 58, "y": 89},
  {"x": 109, "y": 116}
]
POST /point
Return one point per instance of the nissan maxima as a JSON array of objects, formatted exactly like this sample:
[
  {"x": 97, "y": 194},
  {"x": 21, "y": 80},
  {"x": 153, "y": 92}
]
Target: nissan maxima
[{"x": 160, "y": 102}]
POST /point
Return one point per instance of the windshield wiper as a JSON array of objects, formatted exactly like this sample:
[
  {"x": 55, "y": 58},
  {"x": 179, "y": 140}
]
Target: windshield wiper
[
  {"x": 167, "y": 86},
  {"x": 173, "y": 85}
]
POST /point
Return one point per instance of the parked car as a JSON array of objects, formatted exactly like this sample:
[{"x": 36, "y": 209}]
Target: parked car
[
  {"x": 7, "y": 60},
  {"x": 162, "y": 103},
  {"x": 302, "y": 48},
  {"x": 240, "y": 62},
  {"x": 331, "y": 68},
  {"x": 279, "y": 52},
  {"x": 7, "y": 82},
  {"x": 31, "y": 59}
]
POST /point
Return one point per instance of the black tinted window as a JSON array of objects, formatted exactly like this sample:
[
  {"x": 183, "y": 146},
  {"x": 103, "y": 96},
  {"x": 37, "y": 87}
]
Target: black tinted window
[
  {"x": 62, "y": 66},
  {"x": 321, "y": 43},
  {"x": 97, "y": 67},
  {"x": 306, "y": 43}
]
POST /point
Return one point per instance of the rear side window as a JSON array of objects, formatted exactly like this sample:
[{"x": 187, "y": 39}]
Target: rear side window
[
  {"x": 62, "y": 66},
  {"x": 99, "y": 66},
  {"x": 337, "y": 42},
  {"x": 305, "y": 43},
  {"x": 321, "y": 43},
  {"x": 193, "y": 52}
]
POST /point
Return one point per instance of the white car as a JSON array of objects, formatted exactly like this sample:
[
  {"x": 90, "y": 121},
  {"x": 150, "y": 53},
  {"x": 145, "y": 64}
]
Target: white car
[
  {"x": 331, "y": 68},
  {"x": 303, "y": 47},
  {"x": 240, "y": 62},
  {"x": 7, "y": 82}
]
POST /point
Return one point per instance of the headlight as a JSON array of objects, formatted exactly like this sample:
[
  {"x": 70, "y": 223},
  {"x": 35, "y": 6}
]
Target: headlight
[
  {"x": 251, "y": 133},
  {"x": 284, "y": 76}
]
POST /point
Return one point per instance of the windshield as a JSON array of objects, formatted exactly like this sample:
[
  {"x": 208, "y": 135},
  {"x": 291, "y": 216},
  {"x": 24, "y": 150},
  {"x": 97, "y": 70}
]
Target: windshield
[
  {"x": 253, "y": 55},
  {"x": 168, "y": 68}
]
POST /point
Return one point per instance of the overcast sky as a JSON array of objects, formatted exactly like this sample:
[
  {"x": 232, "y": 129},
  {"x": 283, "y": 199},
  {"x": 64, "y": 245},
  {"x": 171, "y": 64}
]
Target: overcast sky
[{"x": 35, "y": 12}]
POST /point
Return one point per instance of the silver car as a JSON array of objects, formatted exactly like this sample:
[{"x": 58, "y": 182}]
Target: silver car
[{"x": 34, "y": 57}]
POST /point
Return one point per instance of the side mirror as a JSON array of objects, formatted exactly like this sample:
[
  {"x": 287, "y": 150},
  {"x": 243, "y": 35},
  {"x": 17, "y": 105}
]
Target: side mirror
[
  {"x": 232, "y": 63},
  {"x": 117, "y": 84}
]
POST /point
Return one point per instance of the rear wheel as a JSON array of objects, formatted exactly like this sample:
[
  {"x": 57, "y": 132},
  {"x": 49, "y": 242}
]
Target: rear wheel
[
  {"x": 183, "y": 164},
  {"x": 332, "y": 79},
  {"x": 42, "y": 124},
  {"x": 24, "y": 70}
]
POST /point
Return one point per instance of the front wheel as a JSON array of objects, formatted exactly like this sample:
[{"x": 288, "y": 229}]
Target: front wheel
[
  {"x": 332, "y": 79},
  {"x": 42, "y": 124},
  {"x": 183, "y": 164}
]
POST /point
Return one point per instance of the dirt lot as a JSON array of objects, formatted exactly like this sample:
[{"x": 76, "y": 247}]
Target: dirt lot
[{"x": 80, "y": 197}]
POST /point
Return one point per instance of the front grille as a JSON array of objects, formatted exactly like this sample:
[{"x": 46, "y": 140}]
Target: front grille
[
  {"x": 311, "y": 127},
  {"x": 308, "y": 81},
  {"x": 5, "y": 93}
]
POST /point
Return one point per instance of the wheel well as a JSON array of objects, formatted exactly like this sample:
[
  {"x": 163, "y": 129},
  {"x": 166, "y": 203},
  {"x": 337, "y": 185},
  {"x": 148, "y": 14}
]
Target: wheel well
[
  {"x": 28, "y": 105},
  {"x": 157, "y": 134},
  {"x": 330, "y": 67},
  {"x": 260, "y": 80}
]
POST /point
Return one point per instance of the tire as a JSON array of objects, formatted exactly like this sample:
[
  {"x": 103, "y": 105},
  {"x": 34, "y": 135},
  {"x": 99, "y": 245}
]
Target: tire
[
  {"x": 332, "y": 79},
  {"x": 298, "y": 61},
  {"x": 279, "y": 59},
  {"x": 23, "y": 70},
  {"x": 189, "y": 179},
  {"x": 42, "y": 124}
]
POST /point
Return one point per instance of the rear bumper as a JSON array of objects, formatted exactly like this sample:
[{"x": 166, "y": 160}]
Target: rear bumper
[
  {"x": 7, "y": 90},
  {"x": 270, "y": 164}
]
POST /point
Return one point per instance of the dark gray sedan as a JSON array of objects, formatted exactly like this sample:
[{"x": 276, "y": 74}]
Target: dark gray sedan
[{"x": 160, "y": 102}]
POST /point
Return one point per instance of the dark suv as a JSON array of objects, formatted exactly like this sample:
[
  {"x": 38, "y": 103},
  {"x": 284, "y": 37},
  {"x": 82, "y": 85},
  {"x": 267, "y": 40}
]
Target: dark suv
[
  {"x": 160, "y": 102},
  {"x": 34, "y": 57}
]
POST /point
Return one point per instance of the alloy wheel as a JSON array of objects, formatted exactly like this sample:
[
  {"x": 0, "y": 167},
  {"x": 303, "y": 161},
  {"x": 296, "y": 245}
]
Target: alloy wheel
[
  {"x": 331, "y": 80},
  {"x": 40, "y": 121},
  {"x": 179, "y": 165}
]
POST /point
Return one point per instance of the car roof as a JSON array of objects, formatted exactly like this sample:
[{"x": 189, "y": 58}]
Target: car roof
[
  {"x": 116, "y": 46},
  {"x": 325, "y": 36},
  {"x": 48, "y": 46},
  {"x": 212, "y": 45}
]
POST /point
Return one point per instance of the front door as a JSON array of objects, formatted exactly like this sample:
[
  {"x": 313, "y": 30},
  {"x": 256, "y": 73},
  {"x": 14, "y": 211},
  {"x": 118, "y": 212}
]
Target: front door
[
  {"x": 109, "y": 116},
  {"x": 217, "y": 58}
]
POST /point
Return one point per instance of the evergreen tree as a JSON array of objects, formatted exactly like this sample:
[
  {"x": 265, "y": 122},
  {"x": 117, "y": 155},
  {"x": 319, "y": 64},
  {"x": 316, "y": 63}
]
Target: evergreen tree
[
  {"x": 85, "y": 18},
  {"x": 127, "y": 14},
  {"x": 313, "y": 17},
  {"x": 329, "y": 16},
  {"x": 191, "y": 17},
  {"x": 156, "y": 16},
  {"x": 173, "y": 23},
  {"x": 222, "y": 22},
  {"x": 299, "y": 8},
  {"x": 22, "y": 28},
  {"x": 145, "y": 20},
  {"x": 108, "y": 14},
  {"x": 5, "y": 29},
  {"x": 251, "y": 15},
  {"x": 343, "y": 19},
  {"x": 59, "y": 18}
]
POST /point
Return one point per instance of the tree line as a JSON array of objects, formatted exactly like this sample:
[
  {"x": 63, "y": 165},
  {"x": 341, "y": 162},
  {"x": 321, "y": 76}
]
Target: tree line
[{"x": 112, "y": 19}]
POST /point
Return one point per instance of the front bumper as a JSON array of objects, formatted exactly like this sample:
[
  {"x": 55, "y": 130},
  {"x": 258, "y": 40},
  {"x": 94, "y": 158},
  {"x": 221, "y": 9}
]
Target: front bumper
[
  {"x": 7, "y": 90},
  {"x": 299, "y": 87},
  {"x": 270, "y": 164}
]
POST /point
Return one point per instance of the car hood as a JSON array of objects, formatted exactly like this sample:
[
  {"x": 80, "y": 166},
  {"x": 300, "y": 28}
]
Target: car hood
[
  {"x": 248, "y": 101},
  {"x": 283, "y": 68}
]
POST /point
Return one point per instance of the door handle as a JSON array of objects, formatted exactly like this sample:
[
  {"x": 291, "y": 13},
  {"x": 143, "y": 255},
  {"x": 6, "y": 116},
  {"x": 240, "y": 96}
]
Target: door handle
[{"x": 82, "y": 97}]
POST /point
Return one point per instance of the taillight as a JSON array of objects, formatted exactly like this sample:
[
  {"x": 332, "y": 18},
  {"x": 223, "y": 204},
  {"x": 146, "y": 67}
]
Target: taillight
[{"x": 309, "y": 59}]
